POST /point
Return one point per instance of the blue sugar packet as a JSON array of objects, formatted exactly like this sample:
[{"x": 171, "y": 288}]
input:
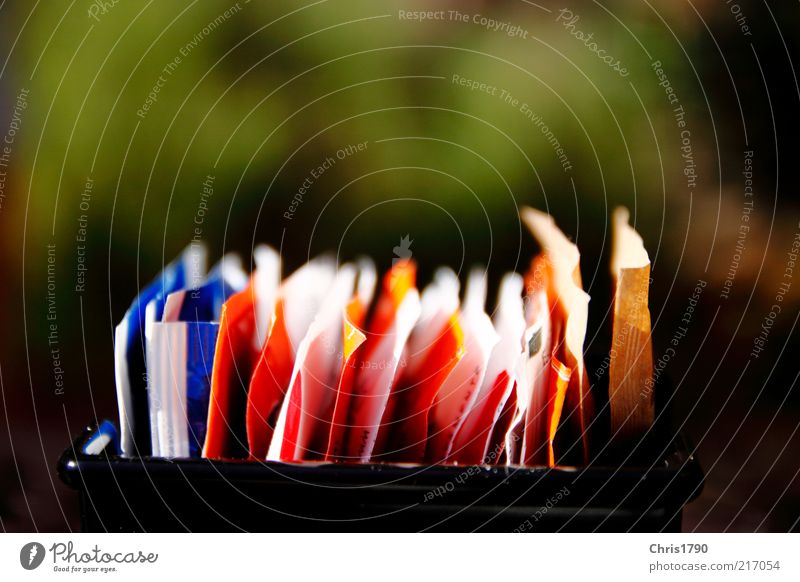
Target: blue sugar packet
[
  {"x": 180, "y": 358},
  {"x": 104, "y": 438},
  {"x": 181, "y": 385},
  {"x": 130, "y": 349},
  {"x": 203, "y": 302},
  {"x": 201, "y": 342}
]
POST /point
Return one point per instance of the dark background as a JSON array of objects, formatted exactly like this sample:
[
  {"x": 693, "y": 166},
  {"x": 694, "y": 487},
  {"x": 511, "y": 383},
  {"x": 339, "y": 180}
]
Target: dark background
[{"x": 272, "y": 89}]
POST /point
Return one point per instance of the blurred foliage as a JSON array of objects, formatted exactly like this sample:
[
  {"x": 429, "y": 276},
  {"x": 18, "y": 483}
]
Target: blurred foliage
[{"x": 276, "y": 88}]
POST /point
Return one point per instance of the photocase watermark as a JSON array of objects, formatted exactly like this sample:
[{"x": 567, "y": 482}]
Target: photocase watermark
[
  {"x": 739, "y": 17},
  {"x": 66, "y": 558},
  {"x": 679, "y": 114},
  {"x": 358, "y": 364},
  {"x": 31, "y": 555},
  {"x": 475, "y": 85},
  {"x": 775, "y": 310},
  {"x": 505, "y": 96},
  {"x": 53, "y": 342},
  {"x": 490, "y": 24},
  {"x": 100, "y": 8},
  {"x": 535, "y": 281},
  {"x": 169, "y": 69},
  {"x": 421, "y": 15},
  {"x": 450, "y": 486},
  {"x": 82, "y": 235},
  {"x": 14, "y": 125},
  {"x": 677, "y": 337},
  {"x": 665, "y": 83},
  {"x": 403, "y": 252},
  {"x": 744, "y": 226},
  {"x": 568, "y": 20},
  {"x": 316, "y": 173},
  {"x": 206, "y": 192},
  {"x": 377, "y": 364},
  {"x": 551, "y": 502}
]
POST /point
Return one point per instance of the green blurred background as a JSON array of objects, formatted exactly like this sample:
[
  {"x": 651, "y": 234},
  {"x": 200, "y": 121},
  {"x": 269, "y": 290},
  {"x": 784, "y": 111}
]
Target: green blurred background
[{"x": 257, "y": 95}]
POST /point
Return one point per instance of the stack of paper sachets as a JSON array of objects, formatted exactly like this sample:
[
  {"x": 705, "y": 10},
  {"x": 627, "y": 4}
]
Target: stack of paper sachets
[{"x": 331, "y": 364}]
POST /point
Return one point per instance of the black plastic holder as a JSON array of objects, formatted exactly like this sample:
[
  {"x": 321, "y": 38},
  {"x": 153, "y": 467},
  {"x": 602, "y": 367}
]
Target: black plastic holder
[{"x": 150, "y": 494}]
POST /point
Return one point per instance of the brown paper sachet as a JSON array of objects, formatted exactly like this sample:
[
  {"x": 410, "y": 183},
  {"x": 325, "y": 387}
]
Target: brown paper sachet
[
  {"x": 630, "y": 391},
  {"x": 569, "y": 311}
]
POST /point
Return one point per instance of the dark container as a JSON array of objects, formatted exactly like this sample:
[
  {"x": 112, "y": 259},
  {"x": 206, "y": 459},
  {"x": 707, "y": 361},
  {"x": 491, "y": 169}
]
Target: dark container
[{"x": 149, "y": 494}]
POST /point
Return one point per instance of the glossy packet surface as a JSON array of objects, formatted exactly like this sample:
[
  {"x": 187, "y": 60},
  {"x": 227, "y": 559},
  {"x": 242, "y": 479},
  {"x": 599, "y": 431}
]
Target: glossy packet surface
[
  {"x": 536, "y": 447},
  {"x": 180, "y": 360},
  {"x": 305, "y": 418},
  {"x": 471, "y": 445},
  {"x": 458, "y": 392},
  {"x": 243, "y": 322},
  {"x": 434, "y": 348},
  {"x": 569, "y": 306},
  {"x": 353, "y": 337},
  {"x": 130, "y": 349},
  {"x": 299, "y": 299},
  {"x": 396, "y": 313}
]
